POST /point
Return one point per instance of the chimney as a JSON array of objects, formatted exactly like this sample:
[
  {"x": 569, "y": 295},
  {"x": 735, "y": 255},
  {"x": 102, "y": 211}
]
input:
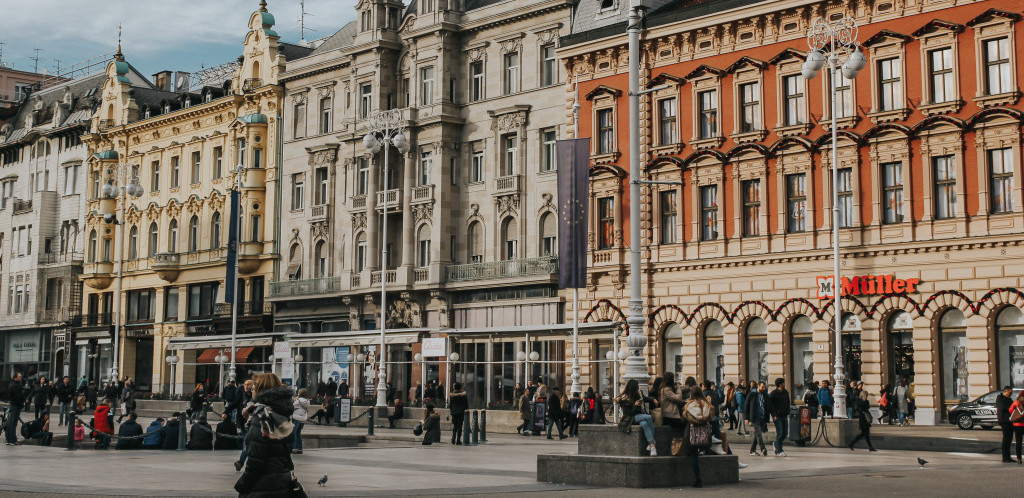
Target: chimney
[{"x": 163, "y": 81}]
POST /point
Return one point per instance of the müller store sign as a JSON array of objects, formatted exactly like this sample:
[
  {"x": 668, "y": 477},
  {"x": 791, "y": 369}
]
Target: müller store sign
[{"x": 868, "y": 285}]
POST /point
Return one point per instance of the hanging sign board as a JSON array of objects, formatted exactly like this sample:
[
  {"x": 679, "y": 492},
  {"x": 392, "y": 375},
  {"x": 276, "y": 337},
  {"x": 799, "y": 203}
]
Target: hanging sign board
[{"x": 433, "y": 347}]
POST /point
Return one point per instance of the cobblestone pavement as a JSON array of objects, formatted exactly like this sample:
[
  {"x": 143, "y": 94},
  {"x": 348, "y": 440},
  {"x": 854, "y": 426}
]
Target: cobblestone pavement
[{"x": 504, "y": 465}]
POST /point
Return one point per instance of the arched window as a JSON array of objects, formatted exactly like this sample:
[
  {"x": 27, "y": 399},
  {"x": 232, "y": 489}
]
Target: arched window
[
  {"x": 801, "y": 349},
  {"x": 423, "y": 247},
  {"x": 953, "y": 341},
  {"x": 510, "y": 239},
  {"x": 154, "y": 238},
  {"x": 320, "y": 256},
  {"x": 193, "y": 234},
  {"x": 714, "y": 356},
  {"x": 172, "y": 237},
  {"x": 901, "y": 347},
  {"x": 475, "y": 242},
  {"x": 757, "y": 350},
  {"x": 548, "y": 235},
  {"x": 360, "y": 262},
  {"x": 215, "y": 236},
  {"x": 1010, "y": 337},
  {"x": 851, "y": 346},
  {"x": 672, "y": 345},
  {"x": 133, "y": 242},
  {"x": 92, "y": 246},
  {"x": 255, "y": 70},
  {"x": 295, "y": 262}
]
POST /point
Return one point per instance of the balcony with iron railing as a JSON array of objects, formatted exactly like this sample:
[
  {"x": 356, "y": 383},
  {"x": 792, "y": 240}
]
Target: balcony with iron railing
[
  {"x": 104, "y": 124},
  {"x": 359, "y": 202},
  {"x": 422, "y": 193},
  {"x": 391, "y": 198},
  {"x": 97, "y": 319},
  {"x": 305, "y": 287},
  {"x": 512, "y": 268},
  {"x": 245, "y": 308},
  {"x": 251, "y": 84},
  {"x": 507, "y": 184}
]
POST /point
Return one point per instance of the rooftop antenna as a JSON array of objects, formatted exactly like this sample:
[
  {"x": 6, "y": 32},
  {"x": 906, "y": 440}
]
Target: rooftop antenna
[
  {"x": 36, "y": 59},
  {"x": 302, "y": 22},
  {"x": 118, "y": 55},
  {"x": 57, "y": 61}
]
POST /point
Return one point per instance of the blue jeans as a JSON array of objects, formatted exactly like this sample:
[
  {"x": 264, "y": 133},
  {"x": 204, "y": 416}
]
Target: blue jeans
[
  {"x": 13, "y": 417},
  {"x": 903, "y": 418},
  {"x": 781, "y": 432},
  {"x": 64, "y": 413},
  {"x": 552, "y": 422},
  {"x": 245, "y": 451},
  {"x": 298, "y": 435},
  {"x": 646, "y": 423}
]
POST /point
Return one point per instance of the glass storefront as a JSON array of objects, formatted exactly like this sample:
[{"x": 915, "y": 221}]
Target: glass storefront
[
  {"x": 901, "y": 348},
  {"x": 757, "y": 350},
  {"x": 27, "y": 352},
  {"x": 1010, "y": 336},
  {"x": 953, "y": 340},
  {"x": 672, "y": 345},
  {"x": 714, "y": 357},
  {"x": 801, "y": 353}
]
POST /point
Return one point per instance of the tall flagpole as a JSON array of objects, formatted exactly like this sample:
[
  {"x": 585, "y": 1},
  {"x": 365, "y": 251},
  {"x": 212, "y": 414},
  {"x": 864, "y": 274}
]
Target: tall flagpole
[{"x": 575, "y": 387}]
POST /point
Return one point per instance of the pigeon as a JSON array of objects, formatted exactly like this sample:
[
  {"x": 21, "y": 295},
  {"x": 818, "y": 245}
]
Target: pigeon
[
  {"x": 323, "y": 481},
  {"x": 921, "y": 462}
]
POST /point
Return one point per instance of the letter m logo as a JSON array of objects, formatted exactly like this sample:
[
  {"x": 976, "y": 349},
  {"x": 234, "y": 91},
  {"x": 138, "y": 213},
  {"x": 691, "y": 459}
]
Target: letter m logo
[{"x": 825, "y": 288}]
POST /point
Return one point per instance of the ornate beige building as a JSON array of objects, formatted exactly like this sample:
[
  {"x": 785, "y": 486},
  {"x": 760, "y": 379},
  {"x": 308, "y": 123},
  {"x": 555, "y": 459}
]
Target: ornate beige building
[{"x": 184, "y": 148}]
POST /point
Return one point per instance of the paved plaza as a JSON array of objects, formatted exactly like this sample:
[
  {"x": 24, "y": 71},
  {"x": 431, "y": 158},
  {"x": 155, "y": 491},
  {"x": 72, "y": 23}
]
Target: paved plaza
[{"x": 504, "y": 465}]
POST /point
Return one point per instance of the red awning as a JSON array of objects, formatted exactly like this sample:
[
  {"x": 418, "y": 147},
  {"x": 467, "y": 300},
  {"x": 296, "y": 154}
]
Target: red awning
[{"x": 208, "y": 355}]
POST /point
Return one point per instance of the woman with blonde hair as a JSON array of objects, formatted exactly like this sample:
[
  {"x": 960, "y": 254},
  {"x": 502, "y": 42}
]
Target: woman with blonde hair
[{"x": 269, "y": 468}]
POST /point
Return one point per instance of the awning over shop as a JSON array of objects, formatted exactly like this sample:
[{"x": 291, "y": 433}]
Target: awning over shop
[
  {"x": 217, "y": 342},
  {"x": 538, "y": 332},
  {"x": 357, "y": 338},
  {"x": 209, "y": 355}
]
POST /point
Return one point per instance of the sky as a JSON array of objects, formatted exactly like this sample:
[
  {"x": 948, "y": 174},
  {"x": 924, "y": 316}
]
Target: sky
[{"x": 181, "y": 35}]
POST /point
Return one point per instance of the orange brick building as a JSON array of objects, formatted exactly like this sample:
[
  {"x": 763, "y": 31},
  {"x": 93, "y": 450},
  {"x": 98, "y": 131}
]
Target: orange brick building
[{"x": 930, "y": 189}]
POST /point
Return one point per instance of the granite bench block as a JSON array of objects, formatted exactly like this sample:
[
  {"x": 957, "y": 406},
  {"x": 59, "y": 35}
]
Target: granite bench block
[
  {"x": 635, "y": 471},
  {"x": 608, "y": 440}
]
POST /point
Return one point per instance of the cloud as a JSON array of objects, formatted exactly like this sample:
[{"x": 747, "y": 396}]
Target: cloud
[{"x": 154, "y": 33}]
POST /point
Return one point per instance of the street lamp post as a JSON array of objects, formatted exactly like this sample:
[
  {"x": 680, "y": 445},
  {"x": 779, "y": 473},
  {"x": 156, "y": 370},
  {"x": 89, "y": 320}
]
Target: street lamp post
[
  {"x": 239, "y": 174},
  {"x": 385, "y": 132},
  {"x": 839, "y": 37},
  {"x": 171, "y": 360},
  {"x": 221, "y": 359},
  {"x": 122, "y": 181}
]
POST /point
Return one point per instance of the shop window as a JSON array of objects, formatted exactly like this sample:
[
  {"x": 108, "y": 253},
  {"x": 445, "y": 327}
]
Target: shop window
[
  {"x": 1010, "y": 355},
  {"x": 801, "y": 353},
  {"x": 953, "y": 341},
  {"x": 901, "y": 348},
  {"x": 672, "y": 345},
  {"x": 757, "y": 350},
  {"x": 714, "y": 355}
]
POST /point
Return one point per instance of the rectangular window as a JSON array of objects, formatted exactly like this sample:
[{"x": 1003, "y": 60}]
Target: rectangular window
[
  {"x": 171, "y": 304},
  {"x": 751, "y": 208},
  {"x": 196, "y": 167},
  {"x": 669, "y": 217},
  {"x": 426, "y": 164},
  {"x": 365, "y": 100},
  {"x": 510, "y": 164},
  {"x": 605, "y": 132},
  {"x": 360, "y": 255},
  {"x": 453, "y": 171},
  {"x": 943, "y": 86},
  {"x": 476, "y": 82},
  {"x": 257, "y": 157},
  {"x": 1001, "y": 169},
  {"x": 297, "y": 191},
  {"x": 201, "y": 299},
  {"x": 175, "y": 171},
  {"x": 709, "y": 212},
  {"x": 548, "y": 65},
  {"x": 140, "y": 306},
  {"x": 890, "y": 88},
  {"x": 299, "y": 121},
  {"x": 511, "y": 71},
  {"x": 796, "y": 203},
  {"x": 423, "y": 253},
  {"x": 793, "y": 100},
  {"x": 549, "y": 150},
  {"x": 997, "y": 66},
  {"x": 71, "y": 179},
  {"x": 845, "y": 194},
  {"x": 254, "y": 235},
  {"x": 844, "y": 96},
  {"x": 427, "y": 85},
  {"x": 606, "y": 222},
  {"x": 240, "y": 147},
  {"x": 707, "y": 103},
  {"x": 321, "y": 178},
  {"x": 476, "y": 164},
  {"x": 945, "y": 187},
  {"x": 218, "y": 162},
  {"x": 667, "y": 122},
  {"x": 362, "y": 176},
  {"x": 325, "y": 114},
  {"x": 750, "y": 107},
  {"x": 892, "y": 181}
]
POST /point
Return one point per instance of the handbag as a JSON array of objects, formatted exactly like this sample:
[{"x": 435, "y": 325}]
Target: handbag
[
  {"x": 678, "y": 448},
  {"x": 700, "y": 436},
  {"x": 418, "y": 430},
  {"x": 297, "y": 490},
  {"x": 656, "y": 415},
  {"x": 1017, "y": 416}
]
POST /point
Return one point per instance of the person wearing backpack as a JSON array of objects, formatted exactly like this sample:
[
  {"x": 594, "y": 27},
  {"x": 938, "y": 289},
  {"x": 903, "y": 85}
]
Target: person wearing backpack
[
  {"x": 1017, "y": 418},
  {"x": 699, "y": 413},
  {"x": 811, "y": 399}
]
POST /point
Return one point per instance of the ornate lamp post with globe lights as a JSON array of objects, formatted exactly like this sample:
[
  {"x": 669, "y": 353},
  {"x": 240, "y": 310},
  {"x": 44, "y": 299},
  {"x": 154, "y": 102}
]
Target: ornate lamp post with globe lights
[
  {"x": 839, "y": 38},
  {"x": 122, "y": 181},
  {"x": 385, "y": 132}
]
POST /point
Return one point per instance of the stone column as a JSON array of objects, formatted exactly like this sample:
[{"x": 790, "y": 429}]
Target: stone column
[
  {"x": 981, "y": 373},
  {"x": 871, "y": 354},
  {"x": 731, "y": 349},
  {"x": 373, "y": 249},
  {"x": 775, "y": 349},
  {"x": 408, "y": 229},
  {"x": 823, "y": 341},
  {"x": 927, "y": 391}
]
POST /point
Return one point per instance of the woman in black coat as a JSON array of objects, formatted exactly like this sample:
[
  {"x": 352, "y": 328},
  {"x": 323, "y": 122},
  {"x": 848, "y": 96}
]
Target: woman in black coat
[
  {"x": 197, "y": 402},
  {"x": 268, "y": 468}
]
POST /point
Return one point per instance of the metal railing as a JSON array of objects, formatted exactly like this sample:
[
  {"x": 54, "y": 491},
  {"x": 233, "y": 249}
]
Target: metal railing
[
  {"x": 245, "y": 308},
  {"x": 511, "y": 268},
  {"x": 105, "y": 124},
  {"x": 251, "y": 84},
  {"x": 97, "y": 319},
  {"x": 392, "y": 277},
  {"x": 359, "y": 202},
  {"x": 306, "y": 287}
]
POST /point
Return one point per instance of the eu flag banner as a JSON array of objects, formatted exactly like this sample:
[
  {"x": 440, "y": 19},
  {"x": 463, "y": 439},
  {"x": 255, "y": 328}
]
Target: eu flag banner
[
  {"x": 230, "y": 277},
  {"x": 573, "y": 202}
]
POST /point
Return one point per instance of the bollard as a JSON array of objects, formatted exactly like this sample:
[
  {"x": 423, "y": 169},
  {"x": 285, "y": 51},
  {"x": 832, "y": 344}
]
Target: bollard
[
  {"x": 476, "y": 427},
  {"x": 483, "y": 426},
  {"x": 337, "y": 413},
  {"x": 181, "y": 432},
  {"x": 533, "y": 420},
  {"x": 71, "y": 431},
  {"x": 369, "y": 423},
  {"x": 467, "y": 431}
]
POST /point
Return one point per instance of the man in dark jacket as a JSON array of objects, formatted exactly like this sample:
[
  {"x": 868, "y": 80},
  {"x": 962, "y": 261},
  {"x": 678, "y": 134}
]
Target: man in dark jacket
[
  {"x": 268, "y": 467},
  {"x": 555, "y": 415},
  {"x": 343, "y": 389},
  {"x": 778, "y": 402},
  {"x": 757, "y": 411},
  {"x": 458, "y": 404},
  {"x": 331, "y": 388},
  {"x": 398, "y": 414},
  {"x": 1003, "y": 402},
  {"x": 154, "y": 435},
  {"x": 16, "y": 398},
  {"x": 232, "y": 399},
  {"x": 227, "y": 435},
  {"x": 65, "y": 395},
  {"x": 170, "y": 432},
  {"x": 200, "y": 436},
  {"x": 128, "y": 435}
]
